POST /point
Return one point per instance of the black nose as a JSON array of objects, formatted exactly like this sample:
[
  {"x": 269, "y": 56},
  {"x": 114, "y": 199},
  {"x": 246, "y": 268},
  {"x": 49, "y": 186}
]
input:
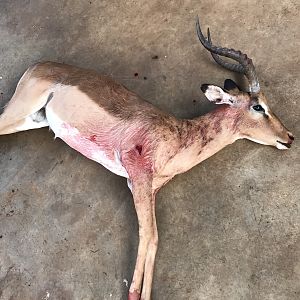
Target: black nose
[{"x": 291, "y": 136}]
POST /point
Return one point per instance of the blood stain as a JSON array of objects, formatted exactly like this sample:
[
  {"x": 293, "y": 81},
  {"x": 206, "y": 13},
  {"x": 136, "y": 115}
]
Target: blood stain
[
  {"x": 139, "y": 149},
  {"x": 93, "y": 137}
]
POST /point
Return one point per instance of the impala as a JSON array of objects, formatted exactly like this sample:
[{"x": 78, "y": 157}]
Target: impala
[{"x": 115, "y": 127}]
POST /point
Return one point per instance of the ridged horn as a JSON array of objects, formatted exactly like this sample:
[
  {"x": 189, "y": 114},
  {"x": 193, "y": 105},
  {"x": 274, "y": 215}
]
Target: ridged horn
[{"x": 244, "y": 66}]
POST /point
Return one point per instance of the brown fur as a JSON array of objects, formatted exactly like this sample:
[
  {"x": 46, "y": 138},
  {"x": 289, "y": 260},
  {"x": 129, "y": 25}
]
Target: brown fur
[{"x": 108, "y": 94}]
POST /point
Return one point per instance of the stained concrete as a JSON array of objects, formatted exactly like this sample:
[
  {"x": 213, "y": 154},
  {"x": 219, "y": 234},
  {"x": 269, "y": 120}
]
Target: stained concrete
[{"x": 229, "y": 228}]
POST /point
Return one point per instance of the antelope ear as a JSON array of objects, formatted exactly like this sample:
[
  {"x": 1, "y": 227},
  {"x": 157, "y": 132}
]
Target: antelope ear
[
  {"x": 217, "y": 95},
  {"x": 230, "y": 85}
]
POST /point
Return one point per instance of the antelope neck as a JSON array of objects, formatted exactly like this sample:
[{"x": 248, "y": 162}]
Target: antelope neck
[{"x": 207, "y": 134}]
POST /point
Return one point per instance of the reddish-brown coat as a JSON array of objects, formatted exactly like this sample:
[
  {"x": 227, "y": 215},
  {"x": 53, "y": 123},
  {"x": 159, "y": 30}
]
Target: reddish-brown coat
[{"x": 96, "y": 115}]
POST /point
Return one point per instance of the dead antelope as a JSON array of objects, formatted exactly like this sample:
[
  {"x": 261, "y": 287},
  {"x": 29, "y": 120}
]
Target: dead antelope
[{"x": 129, "y": 136}]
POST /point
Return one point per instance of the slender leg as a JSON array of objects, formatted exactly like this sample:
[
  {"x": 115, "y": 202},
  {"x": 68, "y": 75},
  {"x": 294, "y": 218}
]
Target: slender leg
[
  {"x": 8, "y": 129},
  {"x": 23, "y": 124},
  {"x": 150, "y": 258},
  {"x": 24, "y": 109},
  {"x": 142, "y": 195}
]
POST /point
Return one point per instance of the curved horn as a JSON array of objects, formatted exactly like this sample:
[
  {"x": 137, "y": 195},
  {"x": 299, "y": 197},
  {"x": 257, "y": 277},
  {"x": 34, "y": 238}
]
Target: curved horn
[
  {"x": 245, "y": 65},
  {"x": 227, "y": 65}
]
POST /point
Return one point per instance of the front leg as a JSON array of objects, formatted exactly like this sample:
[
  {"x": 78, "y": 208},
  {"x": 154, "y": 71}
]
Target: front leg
[
  {"x": 143, "y": 201},
  {"x": 150, "y": 259}
]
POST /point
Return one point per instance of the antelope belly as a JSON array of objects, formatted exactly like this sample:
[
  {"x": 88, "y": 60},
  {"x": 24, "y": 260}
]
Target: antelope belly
[{"x": 90, "y": 149}]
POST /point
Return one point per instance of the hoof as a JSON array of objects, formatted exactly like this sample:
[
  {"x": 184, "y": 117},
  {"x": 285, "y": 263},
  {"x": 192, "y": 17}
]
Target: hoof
[{"x": 134, "y": 295}]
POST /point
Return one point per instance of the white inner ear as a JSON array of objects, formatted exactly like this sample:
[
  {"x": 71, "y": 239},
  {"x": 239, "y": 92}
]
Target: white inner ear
[{"x": 218, "y": 96}]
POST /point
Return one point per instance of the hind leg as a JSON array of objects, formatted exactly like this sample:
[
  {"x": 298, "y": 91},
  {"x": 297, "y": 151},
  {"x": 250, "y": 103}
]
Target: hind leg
[
  {"x": 36, "y": 120},
  {"x": 25, "y": 110}
]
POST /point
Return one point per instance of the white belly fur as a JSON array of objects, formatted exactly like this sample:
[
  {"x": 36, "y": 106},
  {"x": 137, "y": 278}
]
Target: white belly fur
[{"x": 72, "y": 137}]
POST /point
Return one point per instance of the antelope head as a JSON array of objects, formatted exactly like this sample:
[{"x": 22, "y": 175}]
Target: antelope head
[{"x": 255, "y": 120}]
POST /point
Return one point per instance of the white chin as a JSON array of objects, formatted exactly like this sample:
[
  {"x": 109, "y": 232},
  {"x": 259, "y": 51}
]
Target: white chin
[
  {"x": 256, "y": 141},
  {"x": 281, "y": 147}
]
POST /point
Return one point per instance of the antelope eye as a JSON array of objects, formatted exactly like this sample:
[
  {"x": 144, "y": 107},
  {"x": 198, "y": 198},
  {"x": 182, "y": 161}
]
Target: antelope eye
[{"x": 258, "y": 107}]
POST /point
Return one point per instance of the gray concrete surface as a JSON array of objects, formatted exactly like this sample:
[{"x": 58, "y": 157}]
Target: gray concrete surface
[{"x": 229, "y": 228}]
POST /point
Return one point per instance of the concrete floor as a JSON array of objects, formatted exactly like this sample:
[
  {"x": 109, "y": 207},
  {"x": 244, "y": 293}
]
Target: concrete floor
[{"x": 229, "y": 228}]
